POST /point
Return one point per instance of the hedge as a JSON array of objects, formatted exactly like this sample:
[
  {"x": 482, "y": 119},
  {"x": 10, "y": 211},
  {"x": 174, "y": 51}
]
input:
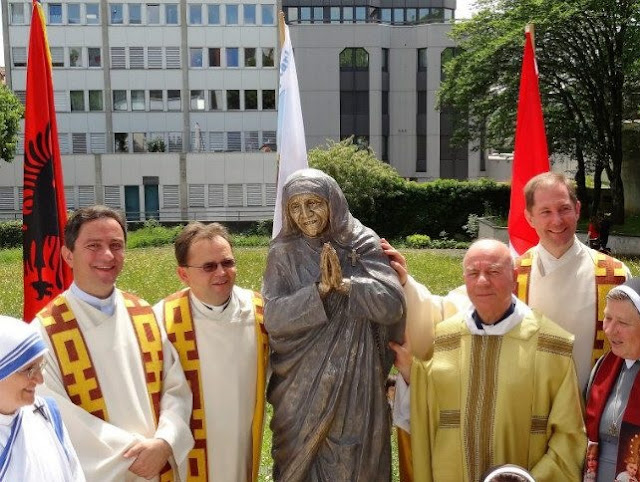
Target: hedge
[{"x": 10, "y": 234}]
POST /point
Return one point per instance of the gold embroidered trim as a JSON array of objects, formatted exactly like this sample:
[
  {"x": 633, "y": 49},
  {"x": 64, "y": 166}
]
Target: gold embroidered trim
[
  {"x": 449, "y": 419},
  {"x": 554, "y": 344},
  {"x": 481, "y": 403},
  {"x": 539, "y": 424},
  {"x": 447, "y": 342}
]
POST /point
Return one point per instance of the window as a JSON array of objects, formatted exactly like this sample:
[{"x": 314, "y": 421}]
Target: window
[
  {"x": 75, "y": 57},
  {"x": 172, "y": 55},
  {"x": 137, "y": 100},
  {"x": 267, "y": 15},
  {"x": 98, "y": 142},
  {"x": 354, "y": 59},
  {"x": 195, "y": 14},
  {"x": 250, "y": 57},
  {"x": 250, "y": 99},
  {"x": 118, "y": 58},
  {"x": 95, "y": 100},
  {"x": 77, "y": 100},
  {"x": 385, "y": 60},
  {"x": 251, "y": 143},
  {"x": 139, "y": 142},
  {"x": 173, "y": 100},
  {"x": 153, "y": 14},
  {"x": 116, "y": 13},
  {"x": 385, "y": 15},
  {"x": 232, "y": 56},
  {"x": 347, "y": 14},
  {"x": 121, "y": 142},
  {"x": 232, "y": 14},
  {"x": 156, "y": 100},
  {"x": 17, "y": 13},
  {"x": 57, "y": 56},
  {"x": 214, "y": 57},
  {"x": 412, "y": 15},
  {"x": 268, "y": 100},
  {"x": 92, "y": 13},
  {"x": 79, "y": 143},
  {"x": 175, "y": 141},
  {"x": 195, "y": 57},
  {"x": 95, "y": 58},
  {"x": 234, "y": 143},
  {"x": 318, "y": 14},
  {"x": 19, "y": 56},
  {"x": 120, "y": 100},
  {"x": 445, "y": 56},
  {"x": 267, "y": 57},
  {"x": 233, "y": 100},
  {"x": 213, "y": 14},
  {"x": 197, "y": 100},
  {"x": 154, "y": 57},
  {"x": 136, "y": 57},
  {"x": 171, "y": 14},
  {"x": 292, "y": 14},
  {"x": 361, "y": 14},
  {"x": 135, "y": 14},
  {"x": 422, "y": 60},
  {"x": 73, "y": 13},
  {"x": 335, "y": 14},
  {"x": 422, "y": 102},
  {"x": 55, "y": 13},
  {"x": 215, "y": 100},
  {"x": 249, "y": 14}
]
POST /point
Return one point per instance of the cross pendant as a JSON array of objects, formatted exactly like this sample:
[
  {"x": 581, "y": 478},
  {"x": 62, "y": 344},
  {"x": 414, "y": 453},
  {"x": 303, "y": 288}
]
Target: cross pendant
[{"x": 354, "y": 257}]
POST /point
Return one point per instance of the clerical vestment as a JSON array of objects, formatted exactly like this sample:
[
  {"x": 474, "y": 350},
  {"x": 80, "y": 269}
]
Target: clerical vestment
[
  {"x": 232, "y": 352},
  {"x": 573, "y": 297},
  {"x": 482, "y": 401},
  {"x": 115, "y": 356}
]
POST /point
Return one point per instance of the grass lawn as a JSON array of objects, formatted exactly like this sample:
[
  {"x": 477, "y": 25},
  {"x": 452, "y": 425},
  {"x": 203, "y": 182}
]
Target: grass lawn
[{"x": 150, "y": 273}]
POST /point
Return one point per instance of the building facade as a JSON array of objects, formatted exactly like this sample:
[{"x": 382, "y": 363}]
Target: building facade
[{"x": 168, "y": 109}]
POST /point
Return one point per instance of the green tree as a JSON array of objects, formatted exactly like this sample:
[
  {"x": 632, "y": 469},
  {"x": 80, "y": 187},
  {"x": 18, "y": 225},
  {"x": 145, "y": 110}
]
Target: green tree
[
  {"x": 588, "y": 55},
  {"x": 11, "y": 111}
]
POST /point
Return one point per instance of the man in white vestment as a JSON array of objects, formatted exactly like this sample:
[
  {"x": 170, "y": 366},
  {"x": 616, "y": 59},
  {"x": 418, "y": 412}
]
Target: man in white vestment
[
  {"x": 559, "y": 277},
  {"x": 499, "y": 388},
  {"x": 217, "y": 329},
  {"x": 112, "y": 370},
  {"x": 34, "y": 443}
]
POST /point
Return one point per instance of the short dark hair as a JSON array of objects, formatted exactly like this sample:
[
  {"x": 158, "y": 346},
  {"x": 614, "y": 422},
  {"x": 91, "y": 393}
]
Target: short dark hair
[
  {"x": 548, "y": 179},
  {"x": 87, "y": 214},
  {"x": 195, "y": 231}
]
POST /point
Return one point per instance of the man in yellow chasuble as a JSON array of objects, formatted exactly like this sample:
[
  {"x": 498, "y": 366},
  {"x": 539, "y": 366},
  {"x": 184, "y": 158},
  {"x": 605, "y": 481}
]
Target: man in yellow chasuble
[
  {"x": 117, "y": 379},
  {"x": 500, "y": 387},
  {"x": 217, "y": 329}
]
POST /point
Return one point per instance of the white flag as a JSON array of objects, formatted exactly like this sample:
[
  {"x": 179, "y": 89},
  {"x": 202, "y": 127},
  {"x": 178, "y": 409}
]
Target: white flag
[{"x": 292, "y": 149}]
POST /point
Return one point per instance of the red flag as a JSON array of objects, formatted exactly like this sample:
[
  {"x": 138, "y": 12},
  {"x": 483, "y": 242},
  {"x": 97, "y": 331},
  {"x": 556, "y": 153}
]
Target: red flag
[
  {"x": 44, "y": 210},
  {"x": 530, "y": 156}
]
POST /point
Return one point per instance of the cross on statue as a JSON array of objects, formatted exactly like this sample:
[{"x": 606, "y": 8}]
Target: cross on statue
[{"x": 354, "y": 257}]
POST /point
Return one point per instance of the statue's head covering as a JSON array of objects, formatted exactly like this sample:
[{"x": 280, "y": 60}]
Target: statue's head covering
[
  {"x": 342, "y": 225},
  {"x": 20, "y": 344}
]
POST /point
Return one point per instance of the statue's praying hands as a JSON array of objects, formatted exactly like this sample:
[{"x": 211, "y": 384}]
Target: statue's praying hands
[{"x": 331, "y": 273}]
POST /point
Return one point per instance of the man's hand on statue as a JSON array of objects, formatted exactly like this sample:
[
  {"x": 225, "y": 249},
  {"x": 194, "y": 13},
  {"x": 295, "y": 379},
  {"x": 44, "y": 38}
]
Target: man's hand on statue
[
  {"x": 403, "y": 359},
  {"x": 396, "y": 260},
  {"x": 151, "y": 455}
]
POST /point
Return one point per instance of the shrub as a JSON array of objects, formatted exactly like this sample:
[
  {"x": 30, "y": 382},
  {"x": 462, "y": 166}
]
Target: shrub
[
  {"x": 418, "y": 241},
  {"x": 10, "y": 234}
]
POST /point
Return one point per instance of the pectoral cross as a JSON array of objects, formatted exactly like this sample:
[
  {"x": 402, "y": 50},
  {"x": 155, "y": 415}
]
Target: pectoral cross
[
  {"x": 40, "y": 410},
  {"x": 354, "y": 257}
]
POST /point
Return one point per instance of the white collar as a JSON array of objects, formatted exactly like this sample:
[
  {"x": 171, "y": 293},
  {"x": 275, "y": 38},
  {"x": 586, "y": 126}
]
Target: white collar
[
  {"x": 106, "y": 306},
  {"x": 502, "y": 328},
  {"x": 207, "y": 309},
  {"x": 550, "y": 263},
  {"x": 629, "y": 362}
]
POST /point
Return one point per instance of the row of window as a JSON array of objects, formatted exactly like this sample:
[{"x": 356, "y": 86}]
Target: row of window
[
  {"x": 153, "y": 58},
  {"x": 367, "y": 14},
  {"x": 198, "y": 196},
  {"x": 147, "y": 14}
]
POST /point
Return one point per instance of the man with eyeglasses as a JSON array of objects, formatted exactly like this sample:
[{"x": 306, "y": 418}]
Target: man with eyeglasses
[
  {"x": 112, "y": 370},
  {"x": 217, "y": 329}
]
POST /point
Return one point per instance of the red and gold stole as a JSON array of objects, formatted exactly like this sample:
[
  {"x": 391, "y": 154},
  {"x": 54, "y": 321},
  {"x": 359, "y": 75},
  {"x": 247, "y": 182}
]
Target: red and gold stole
[
  {"x": 178, "y": 322},
  {"x": 609, "y": 272},
  {"x": 76, "y": 365}
]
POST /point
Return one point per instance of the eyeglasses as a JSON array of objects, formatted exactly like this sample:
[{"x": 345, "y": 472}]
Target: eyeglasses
[
  {"x": 211, "y": 266},
  {"x": 34, "y": 370}
]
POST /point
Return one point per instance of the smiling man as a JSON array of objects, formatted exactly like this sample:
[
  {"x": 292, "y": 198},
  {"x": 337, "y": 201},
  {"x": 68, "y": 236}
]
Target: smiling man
[
  {"x": 561, "y": 277},
  {"x": 217, "y": 329},
  {"x": 112, "y": 370},
  {"x": 500, "y": 387}
]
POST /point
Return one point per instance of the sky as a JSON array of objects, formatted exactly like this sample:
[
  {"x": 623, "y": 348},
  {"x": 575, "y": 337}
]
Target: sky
[{"x": 463, "y": 10}]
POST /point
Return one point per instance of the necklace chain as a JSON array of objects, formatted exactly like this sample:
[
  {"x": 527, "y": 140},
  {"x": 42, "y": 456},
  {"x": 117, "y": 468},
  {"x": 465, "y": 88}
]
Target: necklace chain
[{"x": 614, "y": 428}]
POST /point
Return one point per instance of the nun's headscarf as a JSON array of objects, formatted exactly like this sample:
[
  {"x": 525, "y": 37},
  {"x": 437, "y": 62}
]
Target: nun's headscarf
[
  {"x": 631, "y": 288},
  {"x": 20, "y": 344},
  {"x": 342, "y": 225}
]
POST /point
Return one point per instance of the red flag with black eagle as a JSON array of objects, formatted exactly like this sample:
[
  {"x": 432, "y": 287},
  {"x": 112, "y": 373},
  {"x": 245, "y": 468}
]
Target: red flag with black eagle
[{"x": 44, "y": 211}]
